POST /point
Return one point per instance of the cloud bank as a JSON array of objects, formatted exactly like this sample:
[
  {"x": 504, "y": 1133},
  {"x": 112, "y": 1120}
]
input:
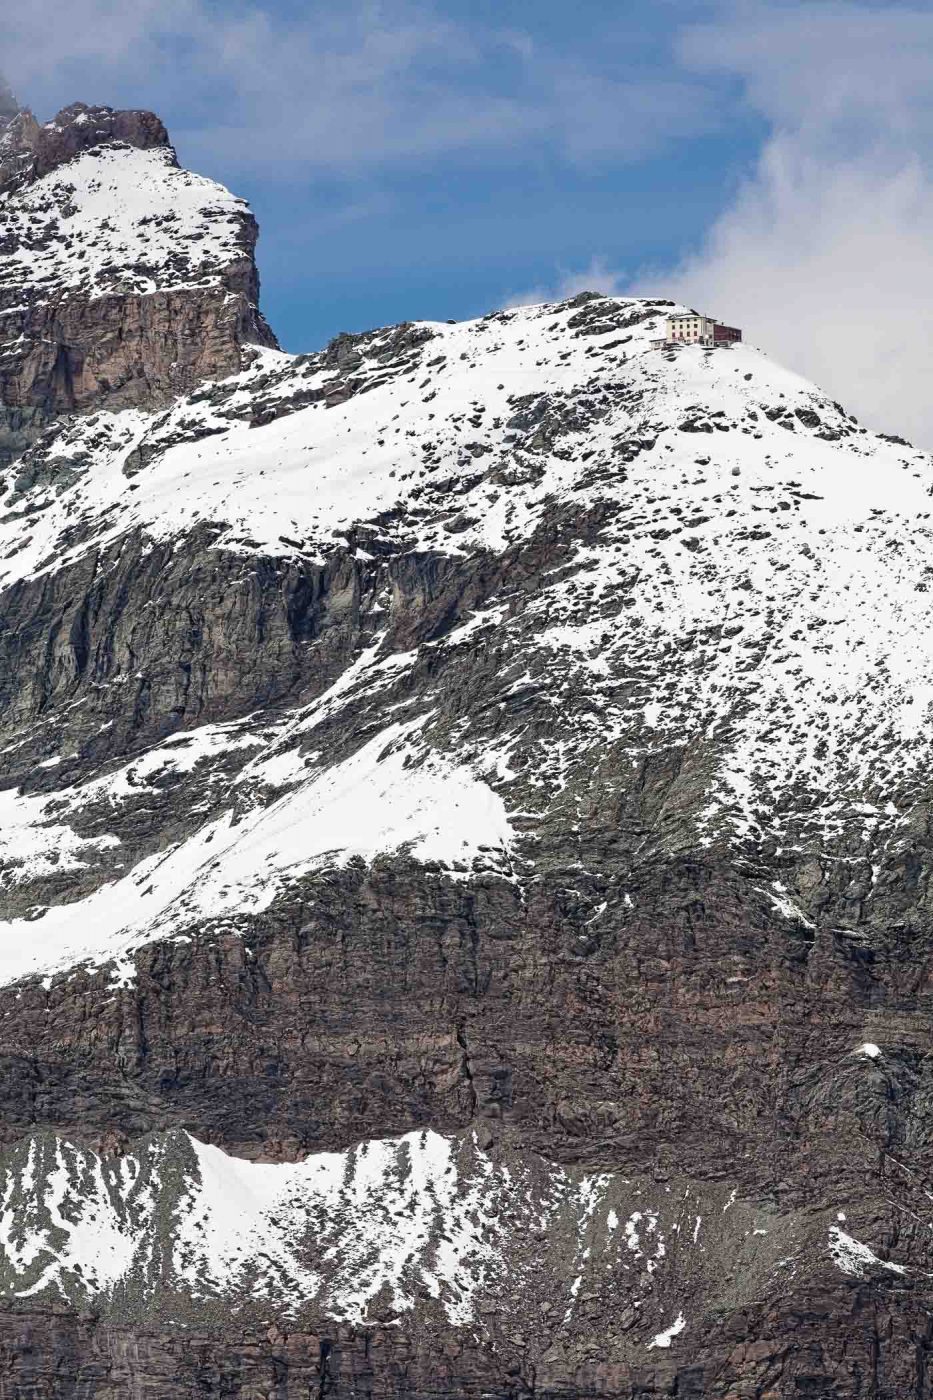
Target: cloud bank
[{"x": 826, "y": 254}]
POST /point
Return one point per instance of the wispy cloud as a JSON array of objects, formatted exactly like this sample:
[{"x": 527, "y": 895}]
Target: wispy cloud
[
  {"x": 826, "y": 253},
  {"x": 349, "y": 86}
]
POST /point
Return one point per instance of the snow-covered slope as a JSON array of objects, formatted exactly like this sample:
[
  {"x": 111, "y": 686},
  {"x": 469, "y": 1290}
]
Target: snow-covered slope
[
  {"x": 118, "y": 220},
  {"x": 738, "y": 572},
  {"x": 420, "y": 1226},
  {"x": 295, "y": 815}
]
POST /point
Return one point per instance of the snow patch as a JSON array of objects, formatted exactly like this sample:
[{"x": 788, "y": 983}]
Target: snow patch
[
  {"x": 390, "y": 796},
  {"x": 664, "y": 1339},
  {"x": 856, "y": 1258}
]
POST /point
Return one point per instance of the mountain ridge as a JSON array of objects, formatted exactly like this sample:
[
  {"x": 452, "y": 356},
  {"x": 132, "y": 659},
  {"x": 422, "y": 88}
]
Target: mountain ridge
[{"x": 500, "y": 743}]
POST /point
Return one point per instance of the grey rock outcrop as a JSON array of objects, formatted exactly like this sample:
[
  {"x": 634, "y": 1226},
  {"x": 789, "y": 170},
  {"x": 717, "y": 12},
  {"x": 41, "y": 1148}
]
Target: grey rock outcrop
[
  {"x": 30, "y": 151},
  {"x": 8, "y": 103}
]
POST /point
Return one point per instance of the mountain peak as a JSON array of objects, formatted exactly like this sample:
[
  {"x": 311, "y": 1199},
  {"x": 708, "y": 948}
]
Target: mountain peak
[
  {"x": 31, "y": 151},
  {"x": 124, "y": 279},
  {"x": 477, "y": 772},
  {"x": 8, "y": 103}
]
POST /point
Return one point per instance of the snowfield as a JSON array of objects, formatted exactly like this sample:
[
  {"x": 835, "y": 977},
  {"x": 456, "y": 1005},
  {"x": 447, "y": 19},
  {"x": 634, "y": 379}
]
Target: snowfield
[
  {"x": 759, "y": 591},
  {"x": 118, "y": 219},
  {"x": 365, "y": 1235}
]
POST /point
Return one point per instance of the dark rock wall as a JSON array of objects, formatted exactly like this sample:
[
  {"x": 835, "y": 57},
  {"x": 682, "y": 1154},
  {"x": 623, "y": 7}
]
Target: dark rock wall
[
  {"x": 377, "y": 1000},
  {"x": 122, "y": 351},
  {"x": 841, "y": 1343}
]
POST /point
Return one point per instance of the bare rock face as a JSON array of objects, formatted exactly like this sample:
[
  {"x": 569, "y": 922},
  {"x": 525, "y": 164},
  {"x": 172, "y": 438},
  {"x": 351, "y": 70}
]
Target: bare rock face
[
  {"x": 123, "y": 279},
  {"x": 30, "y": 151}
]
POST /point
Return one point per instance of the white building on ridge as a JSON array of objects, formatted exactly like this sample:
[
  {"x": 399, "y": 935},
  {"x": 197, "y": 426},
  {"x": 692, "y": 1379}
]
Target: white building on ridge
[{"x": 690, "y": 328}]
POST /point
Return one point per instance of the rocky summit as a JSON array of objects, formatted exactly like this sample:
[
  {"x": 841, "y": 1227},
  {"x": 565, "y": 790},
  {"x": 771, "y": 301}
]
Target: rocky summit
[
  {"x": 465, "y": 911},
  {"x": 124, "y": 280}
]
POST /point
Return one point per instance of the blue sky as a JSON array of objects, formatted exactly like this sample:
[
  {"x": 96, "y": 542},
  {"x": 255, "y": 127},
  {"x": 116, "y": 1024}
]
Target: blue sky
[
  {"x": 770, "y": 160},
  {"x": 491, "y": 148},
  {"x": 459, "y": 232}
]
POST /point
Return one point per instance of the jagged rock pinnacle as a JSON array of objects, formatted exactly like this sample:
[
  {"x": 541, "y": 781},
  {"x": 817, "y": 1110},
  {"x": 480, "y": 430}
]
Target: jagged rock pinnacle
[
  {"x": 36, "y": 150},
  {"x": 8, "y": 103}
]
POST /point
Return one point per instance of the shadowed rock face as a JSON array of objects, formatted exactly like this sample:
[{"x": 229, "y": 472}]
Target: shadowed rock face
[{"x": 465, "y": 920}]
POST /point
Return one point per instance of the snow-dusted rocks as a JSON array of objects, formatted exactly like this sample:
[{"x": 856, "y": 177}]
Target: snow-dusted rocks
[
  {"x": 123, "y": 279},
  {"x": 120, "y": 220},
  {"x": 763, "y": 626},
  {"x": 29, "y": 151},
  {"x": 422, "y": 1226}
]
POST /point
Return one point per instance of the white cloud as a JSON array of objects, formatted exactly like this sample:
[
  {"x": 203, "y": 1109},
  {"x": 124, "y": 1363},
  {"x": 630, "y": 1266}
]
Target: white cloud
[
  {"x": 597, "y": 276},
  {"x": 826, "y": 254},
  {"x": 345, "y": 86},
  {"x": 46, "y": 38}
]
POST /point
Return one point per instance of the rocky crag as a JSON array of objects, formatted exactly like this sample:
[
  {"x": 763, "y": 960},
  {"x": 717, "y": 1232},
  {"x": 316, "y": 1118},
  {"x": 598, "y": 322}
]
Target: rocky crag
[
  {"x": 124, "y": 280},
  {"x": 465, "y": 847}
]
